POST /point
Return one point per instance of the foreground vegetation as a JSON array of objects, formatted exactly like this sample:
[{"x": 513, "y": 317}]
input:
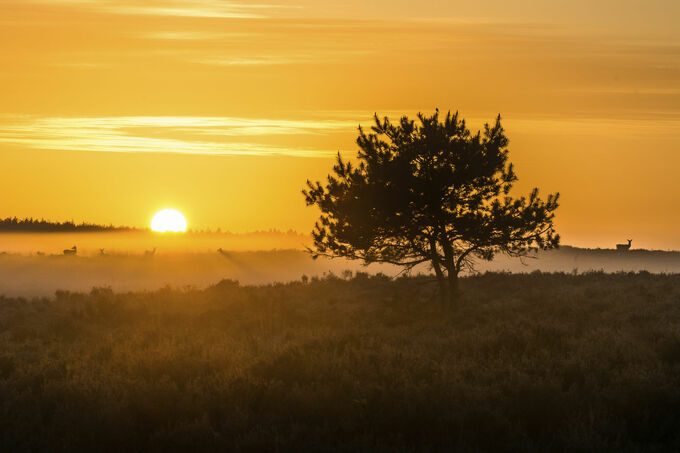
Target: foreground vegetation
[{"x": 539, "y": 362}]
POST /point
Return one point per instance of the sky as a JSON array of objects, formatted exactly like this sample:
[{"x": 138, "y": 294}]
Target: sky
[{"x": 113, "y": 109}]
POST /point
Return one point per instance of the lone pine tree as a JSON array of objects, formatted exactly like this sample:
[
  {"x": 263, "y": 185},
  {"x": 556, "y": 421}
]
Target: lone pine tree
[{"x": 429, "y": 192}]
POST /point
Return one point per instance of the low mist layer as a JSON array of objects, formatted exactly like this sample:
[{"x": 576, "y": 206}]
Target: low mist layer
[
  {"x": 135, "y": 262},
  {"x": 139, "y": 242},
  {"x": 30, "y": 276},
  {"x": 577, "y": 260}
]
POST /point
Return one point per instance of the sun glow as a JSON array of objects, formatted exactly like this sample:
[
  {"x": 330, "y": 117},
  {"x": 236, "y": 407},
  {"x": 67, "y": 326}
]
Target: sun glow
[{"x": 169, "y": 220}]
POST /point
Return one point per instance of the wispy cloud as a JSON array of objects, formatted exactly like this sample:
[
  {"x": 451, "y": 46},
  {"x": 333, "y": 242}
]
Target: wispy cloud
[
  {"x": 654, "y": 123},
  {"x": 196, "y": 35},
  {"x": 257, "y": 137},
  {"x": 185, "y": 135},
  {"x": 315, "y": 56},
  {"x": 182, "y": 8},
  {"x": 252, "y": 61},
  {"x": 81, "y": 65}
]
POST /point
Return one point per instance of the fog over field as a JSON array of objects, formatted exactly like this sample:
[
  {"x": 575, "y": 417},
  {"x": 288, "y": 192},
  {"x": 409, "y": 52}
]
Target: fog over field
[
  {"x": 34, "y": 264},
  {"x": 138, "y": 242}
]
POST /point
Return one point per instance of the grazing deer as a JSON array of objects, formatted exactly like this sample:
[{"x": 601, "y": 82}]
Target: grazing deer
[
  {"x": 150, "y": 252},
  {"x": 624, "y": 246},
  {"x": 72, "y": 251}
]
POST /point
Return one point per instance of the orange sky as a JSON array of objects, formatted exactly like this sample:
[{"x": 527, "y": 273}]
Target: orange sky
[{"x": 112, "y": 109}]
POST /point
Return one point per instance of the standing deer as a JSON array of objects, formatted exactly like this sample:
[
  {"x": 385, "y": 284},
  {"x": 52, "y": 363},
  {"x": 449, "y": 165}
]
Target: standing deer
[
  {"x": 624, "y": 246},
  {"x": 72, "y": 251},
  {"x": 150, "y": 252}
]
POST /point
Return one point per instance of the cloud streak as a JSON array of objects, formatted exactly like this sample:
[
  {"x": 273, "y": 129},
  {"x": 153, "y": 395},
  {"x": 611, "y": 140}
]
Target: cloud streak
[
  {"x": 244, "y": 136},
  {"x": 179, "y": 8},
  {"x": 165, "y": 134},
  {"x": 195, "y": 36}
]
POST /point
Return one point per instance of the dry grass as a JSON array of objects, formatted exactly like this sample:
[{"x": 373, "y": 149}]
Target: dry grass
[{"x": 540, "y": 362}]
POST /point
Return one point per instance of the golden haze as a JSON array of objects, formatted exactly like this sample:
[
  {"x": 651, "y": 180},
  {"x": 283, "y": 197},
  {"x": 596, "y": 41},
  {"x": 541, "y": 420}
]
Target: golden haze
[{"x": 113, "y": 110}]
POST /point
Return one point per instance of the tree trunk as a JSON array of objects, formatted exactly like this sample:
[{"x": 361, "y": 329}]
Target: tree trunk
[
  {"x": 454, "y": 290},
  {"x": 443, "y": 285}
]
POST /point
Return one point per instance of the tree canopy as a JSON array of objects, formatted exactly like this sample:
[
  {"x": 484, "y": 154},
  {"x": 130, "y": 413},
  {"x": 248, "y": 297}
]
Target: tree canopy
[{"x": 429, "y": 191}]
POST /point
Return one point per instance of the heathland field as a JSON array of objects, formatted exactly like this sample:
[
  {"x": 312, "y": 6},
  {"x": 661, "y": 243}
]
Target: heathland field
[{"x": 537, "y": 362}]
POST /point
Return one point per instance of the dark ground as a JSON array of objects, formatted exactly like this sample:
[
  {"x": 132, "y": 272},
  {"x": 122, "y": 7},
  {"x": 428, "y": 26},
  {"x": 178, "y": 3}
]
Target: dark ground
[{"x": 539, "y": 362}]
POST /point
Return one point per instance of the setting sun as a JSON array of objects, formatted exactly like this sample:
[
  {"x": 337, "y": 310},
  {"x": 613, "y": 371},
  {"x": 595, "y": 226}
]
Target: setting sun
[{"x": 169, "y": 220}]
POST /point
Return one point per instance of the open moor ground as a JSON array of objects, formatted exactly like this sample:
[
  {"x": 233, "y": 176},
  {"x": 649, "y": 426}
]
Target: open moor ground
[{"x": 537, "y": 362}]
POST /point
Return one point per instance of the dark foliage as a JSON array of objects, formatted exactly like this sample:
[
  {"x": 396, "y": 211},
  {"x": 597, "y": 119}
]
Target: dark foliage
[
  {"x": 429, "y": 192},
  {"x": 539, "y": 362},
  {"x": 15, "y": 225}
]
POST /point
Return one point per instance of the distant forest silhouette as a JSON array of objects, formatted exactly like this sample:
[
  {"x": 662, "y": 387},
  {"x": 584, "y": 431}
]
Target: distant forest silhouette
[{"x": 29, "y": 225}]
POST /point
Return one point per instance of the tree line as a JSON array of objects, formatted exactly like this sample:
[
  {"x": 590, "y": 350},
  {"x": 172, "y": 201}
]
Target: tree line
[{"x": 30, "y": 225}]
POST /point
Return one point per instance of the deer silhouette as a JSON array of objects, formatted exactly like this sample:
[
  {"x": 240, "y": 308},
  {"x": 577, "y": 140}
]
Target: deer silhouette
[
  {"x": 150, "y": 252},
  {"x": 72, "y": 251},
  {"x": 624, "y": 246}
]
